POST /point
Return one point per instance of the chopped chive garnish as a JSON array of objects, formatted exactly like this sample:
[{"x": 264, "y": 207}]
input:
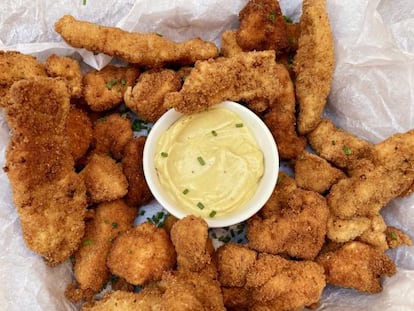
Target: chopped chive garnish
[
  {"x": 200, "y": 205},
  {"x": 287, "y": 19},
  {"x": 333, "y": 142},
  {"x": 84, "y": 2},
  {"x": 393, "y": 236},
  {"x": 214, "y": 133},
  {"x": 110, "y": 84},
  {"x": 201, "y": 161},
  {"x": 114, "y": 225},
  {"x": 123, "y": 82},
  {"x": 185, "y": 191},
  {"x": 87, "y": 242},
  {"x": 142, "y": 212},
  {"x": 272, "y": 16},
  {"x": 111, "y": 239},
  {"x": 164, "y": 154},
  {"x": 158, "y": 34},
  {"x": 214, "y": 235},
  {"x": 346, "y": 150},
  {"x": 239, "y": 124},
  {"x": 224, "y": 238},
  {"x": 118, "y": 89},
  {"x": 301, "y": 156},
  {"x": 212, "y": 214},
  {"x": 239, "y": 241}
]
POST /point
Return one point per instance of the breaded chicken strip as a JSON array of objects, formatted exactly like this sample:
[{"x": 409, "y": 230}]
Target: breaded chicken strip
[
  {"x": 50, "y": 197},
  {"x": 357, "y": 265},
  {"x": 315, "y": 173},
  {"x": 248, "y": 76},
  {"x": 339, "y": 147},
  {"x": 262, "y": 27},
  {"x": 110, "y": 219},
  {"x": 104, "y": 89},
  {"x": 138, "y": 191},
  {"x": 111, "y": 134},
  {"x": 104, "y": 179},
  {"x": 151, "y": 50},
  {"x": 142, "y": 254},
  {"x": 79, "y": 131},
  {"x": 396, "y": 238},
  {"x": 298, "y": 231},
  {"x": 313, "y": 64},
  {"x": 68, "y": 69},
  {"x": 229, "y": 46},
  {"x": 15, "y": 66},
  {"x": 146, "y": 98}
]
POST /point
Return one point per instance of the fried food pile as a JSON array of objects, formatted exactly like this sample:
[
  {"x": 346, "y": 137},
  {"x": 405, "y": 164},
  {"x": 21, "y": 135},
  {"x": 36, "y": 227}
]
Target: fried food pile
[{"x": 75, "y": 166}]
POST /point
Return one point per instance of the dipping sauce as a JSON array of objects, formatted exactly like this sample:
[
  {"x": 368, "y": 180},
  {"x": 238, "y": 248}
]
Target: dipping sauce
[{"x": 209, "y": 162}]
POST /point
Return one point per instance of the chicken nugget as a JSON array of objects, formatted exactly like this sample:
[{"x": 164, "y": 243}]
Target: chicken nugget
[
  {"x": 236, "y": 298},
  {"x": 142, "y": 254},
  {"x": 299, "y": 231},
  {"x": 111, "y": 134},
  {"x": 375, "y": 235},
  {"x": 313, "y": 64},
  {"x": 262, "y": 27},
  {"x": 146, "y": 98},
  {"x": 79, "y": 131},
  {"x": 396, "y": 237},
  {"x": 104, "y": 179},
  {"x": 145, "y": 49},
  {"x": 110, "y": 219},
  {"x": 344, "y": 230},
  {"x": 68, "y": 69},
  {"x": 104, "y": 89},
  {"x": 357, "y": 265},
  {"x": 315, "y": 173},
  {"x": 229, "y": 46},
  {"x": 138, "y": 191}
]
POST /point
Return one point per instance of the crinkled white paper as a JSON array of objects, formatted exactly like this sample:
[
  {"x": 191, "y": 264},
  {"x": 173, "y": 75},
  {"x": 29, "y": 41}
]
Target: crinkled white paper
[{"x": 372, "y": 96}]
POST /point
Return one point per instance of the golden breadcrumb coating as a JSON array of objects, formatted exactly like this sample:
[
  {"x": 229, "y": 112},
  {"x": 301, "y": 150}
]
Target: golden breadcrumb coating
[
  {"x": 357, "y": 265},
  {"x": 344, "y": 230},
  {"x": 236, "y": 298},
  {"x": 146, "y": 98},
  {"x": 229, "y": 46},
  {"x": 104, "y": 179},
  {"x": 313, "y": 64},
  {"x": 315, "y": 173},
  {"x": 104, "y": 89},
  {"x": 68, "y": 69},
  {"x": 142, "y": 254},
  {"x": 145, "y": 49},
  {"x": 79, "y": 131},
  {"x": 375, "y": 235},
  {"x": 262, "y": 27},
  {"x": 49, "y": 196},
  {"x": 396, "y": 237}
]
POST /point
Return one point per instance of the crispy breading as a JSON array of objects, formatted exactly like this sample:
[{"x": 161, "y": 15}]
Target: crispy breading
[
  {"x": 50, "y": 197},
  {"x": 396, "y": 237},
  {"x": 315, "y": 173},
  {"x": 299, "y": 231},
  {"x": 339, "y": 147},
  {"x": 148, "y": 299},
  {"x": 111, "y": 134},
  {"x": 146, "y": 98},
  {"x": 104, "y": 179},
  {"x": 236, "y": 298},
  {"x": 145, "y": 49},
  {"x": 229, "y": 46},
  {"x": 284, "y": 284},
  {"x": 375, "y": 235},
  {"x": 68, "y": 69},
  {"x": 110, "y": 219},
  {"x": 247, "y": 76},
  {"x": 79, "y": 131},
  {"x": 138, "y": 191},
  {"x": 262, "y": 27},
  {"x": 357, "y": 265},
  {"x": 104, "y": 89},
  {"x": 142, "y": 254},
  {"x": 344, "y": 230},
  {"x": 233, "y": 263},
  {"x": 313, "y": 64}
]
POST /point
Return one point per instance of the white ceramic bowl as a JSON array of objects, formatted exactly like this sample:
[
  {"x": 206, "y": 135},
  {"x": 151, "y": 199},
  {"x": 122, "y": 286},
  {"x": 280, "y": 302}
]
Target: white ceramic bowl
[{"x": 266, "y": 185}]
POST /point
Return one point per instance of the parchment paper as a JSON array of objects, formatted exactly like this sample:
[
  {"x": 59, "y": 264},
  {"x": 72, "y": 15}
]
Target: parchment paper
[{"x": 372, "y": 96}]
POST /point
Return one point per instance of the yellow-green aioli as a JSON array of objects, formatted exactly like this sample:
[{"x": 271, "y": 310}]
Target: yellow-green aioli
[{"x": 209, "y": 162}]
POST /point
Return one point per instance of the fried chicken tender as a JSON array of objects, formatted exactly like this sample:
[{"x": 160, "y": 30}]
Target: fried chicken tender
[
  {"x": 262, "y": 27},
  {"x": 357, "y": 265},
  {"x": 105, "y": 89},
  {"x": 79, "y": 131},
  {"x": 50, "y": 197},
  {"x": 15, "y": 66},
  {"x": 298, "y": 231},
  {"x": 236, "y": 298},
  {"x": 248, "y": 76},
  {"x": 138, "y": 191},
  {"x": 150, "y": 50},
  {"x": 68, "y": 69},
  {"x": 315, "y": 173},
  {"x": 146, "y": 98},
  {"x": 313, "y": 64},
  {"x": 396, "y": 238},
  {"x": 283, "y": 284},
  {"x": 142, "y": 254},
  {"x": 341, "y": 148},
  {"x": 111, "y": 134},
  {"x": 229, "y": 46},
  {"x": 110, "y": 219},
  {"x": 344, "y": 230},
  {"x": 104, "y": 179}
]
